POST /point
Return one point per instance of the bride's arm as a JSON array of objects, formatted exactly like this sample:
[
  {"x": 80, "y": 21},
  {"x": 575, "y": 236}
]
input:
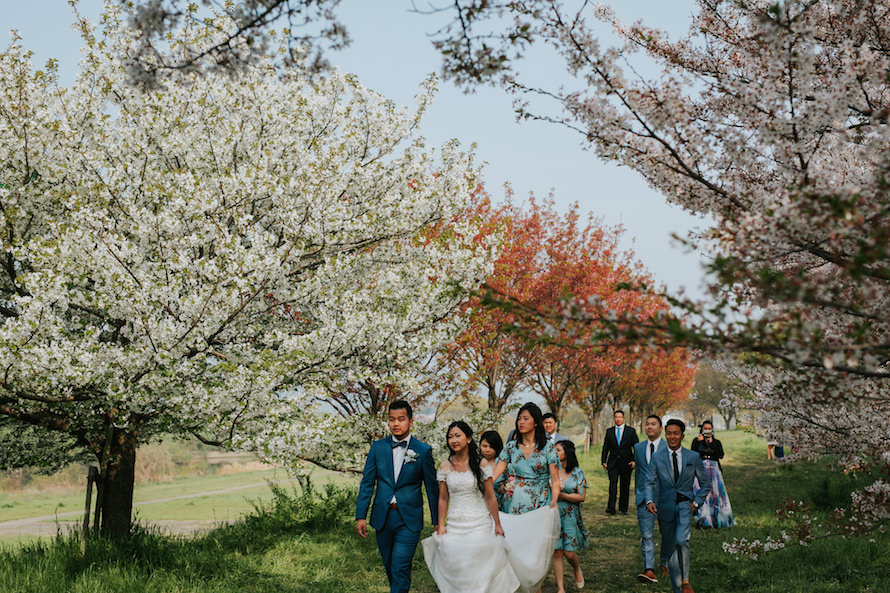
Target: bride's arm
[{"x": 443, "y": 498}]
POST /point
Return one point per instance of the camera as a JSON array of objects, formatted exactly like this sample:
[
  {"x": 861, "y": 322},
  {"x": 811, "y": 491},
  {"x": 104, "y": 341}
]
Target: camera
[{"x": 708, "y": 433}]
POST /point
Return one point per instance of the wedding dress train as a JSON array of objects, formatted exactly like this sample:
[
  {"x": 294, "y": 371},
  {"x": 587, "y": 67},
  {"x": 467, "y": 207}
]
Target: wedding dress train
[
  {"x": 470, "y": 558},
  {"x": 531, "y": 538}
]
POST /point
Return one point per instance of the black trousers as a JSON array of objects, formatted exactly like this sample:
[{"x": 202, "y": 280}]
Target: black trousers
[{"x": 619, "y": 475}]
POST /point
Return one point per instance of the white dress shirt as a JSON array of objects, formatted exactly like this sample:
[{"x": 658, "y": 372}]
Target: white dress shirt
[
  {"x": 657, "y": 443},
  {"x": 398, "y": 457},
  {"x": 679, "y": 459}
]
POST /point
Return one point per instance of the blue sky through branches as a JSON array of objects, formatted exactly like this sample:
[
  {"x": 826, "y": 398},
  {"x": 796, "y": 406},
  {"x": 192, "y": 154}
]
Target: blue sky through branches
[{"x": 391, "y": 53}]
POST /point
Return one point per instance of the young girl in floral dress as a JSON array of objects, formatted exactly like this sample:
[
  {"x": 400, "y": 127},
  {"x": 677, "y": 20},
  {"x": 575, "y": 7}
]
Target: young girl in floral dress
[
  {"x": 572, "y": 534},
  {"x": 491, "y": 445}
]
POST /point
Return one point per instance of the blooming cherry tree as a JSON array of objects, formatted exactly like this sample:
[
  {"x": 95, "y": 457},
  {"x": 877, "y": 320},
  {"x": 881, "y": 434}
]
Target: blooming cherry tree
[
  {"x": 771, "y": 120},
  {"x": 203, "y": 258}
]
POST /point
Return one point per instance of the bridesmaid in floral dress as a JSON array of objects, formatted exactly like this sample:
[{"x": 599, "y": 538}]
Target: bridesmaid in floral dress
[
  {"x": 573, "y": 534},
  {"x": 532, "y": 463}
]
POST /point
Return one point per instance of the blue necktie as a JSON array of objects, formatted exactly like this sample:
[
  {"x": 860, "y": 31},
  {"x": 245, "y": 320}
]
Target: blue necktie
[
  {"x": 403, "y": 444},
  {"x": 618, "y": 435}
]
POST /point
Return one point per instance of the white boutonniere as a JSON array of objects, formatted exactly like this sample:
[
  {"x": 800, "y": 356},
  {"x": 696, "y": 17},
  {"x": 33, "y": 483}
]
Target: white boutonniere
[{"x": 410, "y": 456}]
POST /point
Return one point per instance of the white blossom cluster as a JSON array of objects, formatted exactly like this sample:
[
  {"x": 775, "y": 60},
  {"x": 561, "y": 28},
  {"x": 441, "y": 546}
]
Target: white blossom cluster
[{"x": 203, "y": 257}]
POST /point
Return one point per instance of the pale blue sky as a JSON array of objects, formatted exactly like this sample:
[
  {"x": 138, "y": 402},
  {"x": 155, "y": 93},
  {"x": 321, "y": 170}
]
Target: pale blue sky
[{"x": 392, "y": 54}]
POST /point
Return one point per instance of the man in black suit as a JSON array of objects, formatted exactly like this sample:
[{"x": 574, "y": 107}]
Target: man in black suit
[{"x": 618, "y": 460}]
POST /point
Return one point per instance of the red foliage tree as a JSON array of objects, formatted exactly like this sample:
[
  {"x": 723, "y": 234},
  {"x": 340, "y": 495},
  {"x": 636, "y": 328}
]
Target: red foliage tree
[{"x": 551, "y": 261}]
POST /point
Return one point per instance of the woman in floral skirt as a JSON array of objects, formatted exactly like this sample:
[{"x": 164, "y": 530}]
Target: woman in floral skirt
[{"x": 716, "y": 511}]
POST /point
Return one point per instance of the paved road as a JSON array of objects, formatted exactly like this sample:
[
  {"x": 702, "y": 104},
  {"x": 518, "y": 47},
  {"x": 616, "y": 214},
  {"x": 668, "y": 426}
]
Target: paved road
[{"x": 50, "y": 524}]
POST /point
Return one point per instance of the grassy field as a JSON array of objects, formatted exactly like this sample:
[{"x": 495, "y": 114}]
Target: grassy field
[
  {"x": 246, "y": 487},
  {"x": 300, "y": 543}
]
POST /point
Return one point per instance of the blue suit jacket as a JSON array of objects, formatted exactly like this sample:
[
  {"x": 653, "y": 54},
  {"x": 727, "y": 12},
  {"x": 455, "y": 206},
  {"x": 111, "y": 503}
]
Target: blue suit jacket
[
  {"x": 379, "y": 473},
  {"x": 640, "y": 467},
  {"x": 660, "y": 486}
]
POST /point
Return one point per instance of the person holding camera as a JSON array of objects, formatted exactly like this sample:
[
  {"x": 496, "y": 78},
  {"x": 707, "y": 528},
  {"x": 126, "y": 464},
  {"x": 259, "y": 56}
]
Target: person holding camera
[{"x": 716, "y": 511}]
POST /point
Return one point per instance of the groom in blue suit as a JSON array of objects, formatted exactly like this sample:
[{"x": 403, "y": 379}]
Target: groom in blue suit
[
  {"x": 396, "y": 467},
  {"x": 669, "y": 479}
]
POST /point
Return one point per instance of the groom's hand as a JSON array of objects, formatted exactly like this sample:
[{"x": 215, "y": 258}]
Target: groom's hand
[
  {"x": 652, "y": 508},
  {"x": 362, "y": 527}
]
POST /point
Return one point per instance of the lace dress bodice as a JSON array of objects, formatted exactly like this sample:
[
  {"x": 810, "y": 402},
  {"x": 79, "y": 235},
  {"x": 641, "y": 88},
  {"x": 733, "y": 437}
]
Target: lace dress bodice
[{"x": 467, "y": 511}]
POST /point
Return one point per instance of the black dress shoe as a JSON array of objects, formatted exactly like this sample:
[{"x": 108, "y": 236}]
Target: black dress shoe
[
  {"x": 623, "y": 512},
  {"x": 610, "y": 512}
]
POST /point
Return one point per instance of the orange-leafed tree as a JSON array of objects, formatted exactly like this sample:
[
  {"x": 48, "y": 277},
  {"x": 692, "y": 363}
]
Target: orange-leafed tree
[
  {"x": 663, "y": 378},
  {"x": 579, "y": 261},
  {"x": 550, "y": 262},
  {"x": 490, "y": 353}
]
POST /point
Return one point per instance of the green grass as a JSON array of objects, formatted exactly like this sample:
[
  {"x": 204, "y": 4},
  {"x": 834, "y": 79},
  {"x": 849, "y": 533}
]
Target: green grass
[
  {"x": 223, "y": 506},
  {"x": 755, "y": 487},
  {"x": 307, "y": 543}
]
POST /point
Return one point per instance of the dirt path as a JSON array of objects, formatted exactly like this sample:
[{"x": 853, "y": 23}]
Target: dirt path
[{"x": 51, "y": 525}]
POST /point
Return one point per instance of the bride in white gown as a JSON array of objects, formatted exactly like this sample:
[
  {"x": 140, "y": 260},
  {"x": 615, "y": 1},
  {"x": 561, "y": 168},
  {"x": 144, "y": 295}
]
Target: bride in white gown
[{"x": 468, "y": 553}]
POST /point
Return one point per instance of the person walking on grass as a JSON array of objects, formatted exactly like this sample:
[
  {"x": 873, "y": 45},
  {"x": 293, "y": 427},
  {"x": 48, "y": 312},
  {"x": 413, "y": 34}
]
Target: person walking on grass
[
  {"x": 397, "y": 469},
  {"x": 669, "y": 496},
  {"x": 468, "y": 553},
  {"x": 618, "y": 460},
  {"x": 532, "y": 525},
  {"x": 717, "y": 511},
  {"x": 573, "y": 534},
  {"x": 643, "y": 453}
]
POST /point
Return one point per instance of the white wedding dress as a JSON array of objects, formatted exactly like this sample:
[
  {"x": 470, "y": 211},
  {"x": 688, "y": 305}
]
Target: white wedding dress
[
  {"x": 531, "y": 539},
  {"x": 469, "y": 557}
]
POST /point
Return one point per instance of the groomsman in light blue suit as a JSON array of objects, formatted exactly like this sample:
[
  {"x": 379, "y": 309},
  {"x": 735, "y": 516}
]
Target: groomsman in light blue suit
[
  {"x": 643, "y": 453},
  {"x": 397, "y": 467},
  {"x": 669, "y": 495}
]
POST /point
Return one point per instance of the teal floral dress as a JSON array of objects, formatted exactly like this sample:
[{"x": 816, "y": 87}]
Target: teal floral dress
[
  {"x": 530, "y": 477},
  {"x": 573, "y": 534}
]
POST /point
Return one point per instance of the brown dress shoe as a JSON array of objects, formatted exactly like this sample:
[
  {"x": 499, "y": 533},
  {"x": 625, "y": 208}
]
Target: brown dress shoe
[
  {"x": 647, "y": 576},
  {"x": 686, "y": 588}
]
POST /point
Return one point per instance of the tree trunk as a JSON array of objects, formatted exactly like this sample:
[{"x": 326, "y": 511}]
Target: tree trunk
[
  {"x": 117, "y": 485},
  {"x": 594, "y": 422}
]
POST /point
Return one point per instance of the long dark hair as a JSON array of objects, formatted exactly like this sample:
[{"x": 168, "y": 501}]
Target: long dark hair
[
  {"x": 540, "y": 434},
  {"x": 473, "y": 455},
  {"x": 571, "y": 458},
  {"x": 494, "y": 440}
]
